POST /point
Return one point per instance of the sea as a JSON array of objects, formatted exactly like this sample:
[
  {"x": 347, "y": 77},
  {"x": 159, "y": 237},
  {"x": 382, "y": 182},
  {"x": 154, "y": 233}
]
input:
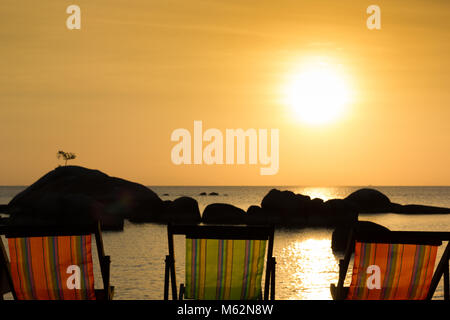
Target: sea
[{"x": 306, "y": 265}]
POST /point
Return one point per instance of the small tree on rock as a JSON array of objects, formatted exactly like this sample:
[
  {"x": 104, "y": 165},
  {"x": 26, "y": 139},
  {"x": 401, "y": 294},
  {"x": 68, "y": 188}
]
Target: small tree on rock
[{"x": 66, "y": 156}]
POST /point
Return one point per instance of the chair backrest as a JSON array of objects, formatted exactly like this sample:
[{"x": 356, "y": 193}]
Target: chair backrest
[
  {"x": 220, "y": 269},
  {"x": 225, "y": 262},
  {"x": 392, "y": 271},
  {"x": 394, "y": 266},
  {"x": 52, "y": 264}
]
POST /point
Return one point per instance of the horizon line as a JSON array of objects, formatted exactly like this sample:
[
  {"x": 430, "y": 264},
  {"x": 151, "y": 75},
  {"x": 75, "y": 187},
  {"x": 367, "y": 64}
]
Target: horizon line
[{"x": 272, "y": 185}]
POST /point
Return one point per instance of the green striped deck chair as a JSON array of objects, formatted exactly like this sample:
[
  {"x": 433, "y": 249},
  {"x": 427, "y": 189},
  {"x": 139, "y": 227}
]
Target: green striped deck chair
[
  {"x": 223, "y": 263},
  {"x": 54, "y": 264},
  {"x": 395, "y": 265}
]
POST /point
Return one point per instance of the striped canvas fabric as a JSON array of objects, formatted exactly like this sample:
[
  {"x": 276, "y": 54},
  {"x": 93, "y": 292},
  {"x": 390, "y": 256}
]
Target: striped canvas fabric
[
  {"x": 224, "y": 269},
  {"x": 42, "y": 268},
  {"x": 405, "y": 271}
]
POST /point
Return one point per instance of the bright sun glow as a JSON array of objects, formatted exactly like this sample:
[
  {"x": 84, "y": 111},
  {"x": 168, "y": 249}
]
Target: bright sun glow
[{"x": 318, "y": 93}]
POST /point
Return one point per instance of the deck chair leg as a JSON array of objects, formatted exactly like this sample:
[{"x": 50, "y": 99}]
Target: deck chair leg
[
  {"x": 106, "y": 281},
  {"x": 173, "y": 281},
  {"x": 166, "y": 278},
  {"x": 272, "y": 279},
  {"x": 441, "y": 269},
  {"x": 169, "y": 276},
  {"x": 446, "y": 282},
  {"x": 181, "y": 295}
]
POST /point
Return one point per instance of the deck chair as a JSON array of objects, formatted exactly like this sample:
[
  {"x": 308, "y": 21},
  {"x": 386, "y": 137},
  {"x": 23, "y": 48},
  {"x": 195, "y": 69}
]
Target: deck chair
[
  {"x": 222, "y": 263},
  {"x": 394, "y": 265},
  {"x": 53, "y": 263}
]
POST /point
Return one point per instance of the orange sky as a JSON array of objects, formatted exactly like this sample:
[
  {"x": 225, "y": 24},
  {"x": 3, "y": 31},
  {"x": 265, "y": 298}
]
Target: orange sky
[{"x": 114, "y": 91}]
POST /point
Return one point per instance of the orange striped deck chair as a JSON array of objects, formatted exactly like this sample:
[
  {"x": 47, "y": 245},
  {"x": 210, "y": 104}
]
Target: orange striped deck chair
[
  {"x": 55, "y": 264},
  {"x": 395, "y": 265},
  {"x": 223, "y": 263}
]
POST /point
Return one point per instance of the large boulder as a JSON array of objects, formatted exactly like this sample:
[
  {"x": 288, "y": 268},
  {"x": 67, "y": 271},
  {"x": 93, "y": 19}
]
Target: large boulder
[
  {"x": 370, "y": 201},
  {"x": 223, "y": 213},
  {"x": 286, "y": 207},
  {"x": 181, "y": 210},
  {"x": 373, "y": 201},
  {"x": 341, "y": 234},
  {"x": 257, "y": 216},
  {"x": 73, "y": 194}
]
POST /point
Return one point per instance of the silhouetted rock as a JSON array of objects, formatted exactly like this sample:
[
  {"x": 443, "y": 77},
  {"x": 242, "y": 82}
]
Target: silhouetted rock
[
  {"x": 223, "y": 213},
  {"x": 286, "y": 207},
  {"x": 373, "y": 201},
  {"x": 213, "y": 194},
  {"x": 181, "y": 210},
  {"x": 3, "y": 208},
  {"x": 341, "y": 234},
  {"x": 370, "y": 201},
  {"x": 418, "y": 209},
  {"x": 335, "y": 212},
  {"x": 202, "y": 194},
  {"x": 73, "y": 194},
  {"x": 256, "y": 215}
]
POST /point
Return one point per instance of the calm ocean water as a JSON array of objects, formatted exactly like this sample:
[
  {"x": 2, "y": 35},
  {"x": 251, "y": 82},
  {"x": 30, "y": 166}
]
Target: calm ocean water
[{"x": 305, "y": 263}]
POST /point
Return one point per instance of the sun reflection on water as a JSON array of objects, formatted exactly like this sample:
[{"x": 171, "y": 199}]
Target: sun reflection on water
[{"x": 311, "y": 270}]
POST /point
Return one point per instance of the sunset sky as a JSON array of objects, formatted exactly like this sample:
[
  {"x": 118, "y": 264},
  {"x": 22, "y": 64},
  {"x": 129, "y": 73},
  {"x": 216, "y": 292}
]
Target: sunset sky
[{"x": 114, "y": 91}]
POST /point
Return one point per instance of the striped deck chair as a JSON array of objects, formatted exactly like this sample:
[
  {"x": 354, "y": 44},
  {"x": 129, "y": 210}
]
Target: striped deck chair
[
  {"x": 395, "y": 265},
  {"x": 223, "y": 263},
  {"x": 54, "y": 264}
]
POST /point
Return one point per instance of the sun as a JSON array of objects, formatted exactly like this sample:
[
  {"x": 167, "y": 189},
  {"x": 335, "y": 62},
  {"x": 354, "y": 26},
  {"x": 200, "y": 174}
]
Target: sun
[{"x": 318, "y": 93}]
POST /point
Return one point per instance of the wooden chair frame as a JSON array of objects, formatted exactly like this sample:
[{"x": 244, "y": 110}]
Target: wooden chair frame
[
  {"x": 339, "y": 292},
  {"x": 235, "y": 232},
  {"x": 106, "y": 293}
]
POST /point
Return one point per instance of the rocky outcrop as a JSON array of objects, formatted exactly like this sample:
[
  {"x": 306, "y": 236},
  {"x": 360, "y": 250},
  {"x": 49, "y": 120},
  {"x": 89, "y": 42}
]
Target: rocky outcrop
[
  {"x": 286, "y": 208},
  {"x": 336, "y": 212},
  {"x": 370, "y": 201},
  {"x": 72, "y": 195},
  {"x": 181, "y": 210},
  {"x": 257, "y": 216},
  {"x": 373, "y": 201},
  {"x": 417, "y": 209},
  {"x": 223, "y": 213},
  {"x": 341, "y": 234}
]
